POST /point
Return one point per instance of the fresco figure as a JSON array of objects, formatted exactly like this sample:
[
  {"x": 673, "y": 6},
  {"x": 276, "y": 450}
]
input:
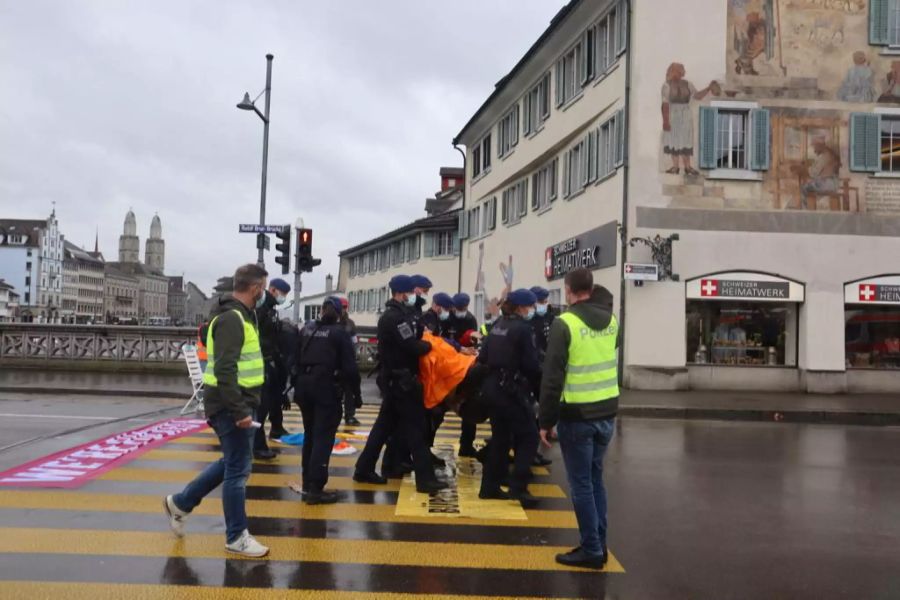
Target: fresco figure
[
  {"x": 754, "y": 33},
  {"x": 678, "y": 120},
  {"x": 891, "y": 90},
  {"x": 859, "y": 83},
  {"x": 822, "y": 176}
]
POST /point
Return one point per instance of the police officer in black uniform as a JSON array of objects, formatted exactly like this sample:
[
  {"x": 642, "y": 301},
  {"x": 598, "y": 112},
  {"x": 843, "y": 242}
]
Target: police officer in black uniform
[
  {"x": 402, "y": 412},
  {"x": 540, "y": 324},
  {"x": 276, "y": 371},
  {"x": 437, "y": 318},
  {"x": 352, "y": 394},
  {"x": 461, "y": 322},
  {"x": 510, "y": 354},
  {"x": 325, "y": 365}
]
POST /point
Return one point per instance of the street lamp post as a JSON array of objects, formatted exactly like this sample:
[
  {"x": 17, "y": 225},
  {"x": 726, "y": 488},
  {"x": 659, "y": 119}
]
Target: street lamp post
[{"x": 248, "y": 104}]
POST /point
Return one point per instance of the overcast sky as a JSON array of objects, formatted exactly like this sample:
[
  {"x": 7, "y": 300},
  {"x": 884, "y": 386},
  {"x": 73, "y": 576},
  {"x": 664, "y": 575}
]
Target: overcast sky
[{"x": 112, "y": 105}]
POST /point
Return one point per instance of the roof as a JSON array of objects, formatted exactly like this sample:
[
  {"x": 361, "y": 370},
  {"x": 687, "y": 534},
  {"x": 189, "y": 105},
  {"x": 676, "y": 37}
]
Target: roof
[
  {"x": 31, "y": 227},
  {"x": 134, "y": 269},
  {"x": 5, "y": 286},
  {"x": 80, "y": 253},
  {"x": 196, "y": 289},
  {"x": 441, "y": 221},
  {"x": 501, "y": 85},
  {"x": 452, "y": 172}
]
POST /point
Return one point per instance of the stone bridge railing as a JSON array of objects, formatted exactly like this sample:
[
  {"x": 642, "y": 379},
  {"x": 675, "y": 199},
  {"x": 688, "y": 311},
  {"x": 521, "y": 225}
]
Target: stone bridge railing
[{"x": 33, "y": 341}]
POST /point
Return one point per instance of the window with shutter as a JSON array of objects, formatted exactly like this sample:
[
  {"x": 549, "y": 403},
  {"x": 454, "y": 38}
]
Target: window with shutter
[
  {"x": 622, "y": 29},
  {"x": 708, "y": 150},
  {"x": 463, "y": 225},
  {"x": 429, "y": 244},
  {"x": 879, "y": 13},
  {"x": 865, "y": 150}
]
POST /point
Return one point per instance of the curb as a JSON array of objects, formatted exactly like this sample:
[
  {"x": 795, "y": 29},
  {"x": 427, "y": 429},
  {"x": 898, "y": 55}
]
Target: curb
[
  {"x": 172, "y": 394},
  {"x": 826, "y": 417}
]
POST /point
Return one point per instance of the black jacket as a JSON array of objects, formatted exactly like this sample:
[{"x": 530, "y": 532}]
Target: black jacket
[
  {"x": 510, "y": 347},
  {"x": 399, "y": 341},
  {"x": 328, "y": 345},
  {"x": 269, "y": 328},
  {"x": 457, "y": 326},
  {"x": 228, "y": 339},
  {"x": 541, "y": 325},
  {"x": 596, "y": 312}
]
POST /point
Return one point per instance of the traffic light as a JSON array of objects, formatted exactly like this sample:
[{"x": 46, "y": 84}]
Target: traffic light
[
  {"x": 283, "y": 250},
  {"x": 305, "y": 260}
]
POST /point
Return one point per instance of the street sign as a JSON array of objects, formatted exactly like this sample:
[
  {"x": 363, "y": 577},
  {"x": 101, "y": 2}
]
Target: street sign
[
  {"x": 641, "y": 272},
  {"x": 248, "y": 228}
]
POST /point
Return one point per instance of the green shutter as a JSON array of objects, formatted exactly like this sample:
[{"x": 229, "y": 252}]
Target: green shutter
[
  {"x": 878, "y": 22},
  {"x": 761, "y": 139},
  {"x": 463, "y": 224},
  {"x": 455, "y": 243},
  {"x": 708, "y": 153},
  {"x": 429, "y": 244},
  {"x": 865, "y": 150}
]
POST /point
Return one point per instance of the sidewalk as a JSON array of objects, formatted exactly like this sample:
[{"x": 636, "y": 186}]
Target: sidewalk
[{"x": 860, "y": 409}]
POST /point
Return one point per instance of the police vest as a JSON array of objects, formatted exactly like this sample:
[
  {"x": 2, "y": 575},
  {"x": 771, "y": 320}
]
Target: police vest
[
  {"x": 317, "y": 348},
  {"x": 592, "y": 373},
  {"x": 250, "y": 366}
]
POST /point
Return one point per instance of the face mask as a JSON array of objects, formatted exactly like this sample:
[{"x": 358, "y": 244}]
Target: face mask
[
  {"x": 461, "y": 314},
  {"x": 444, "y": 316},
  {"x": 488, "y": 319},
  {"x": 423, "y": 296},
  {"x": 530, "y": 314},
  {"x": 541, "y": 309},
  {"x": 280, "y": 299},
  {"x": 411, "y": 300}
]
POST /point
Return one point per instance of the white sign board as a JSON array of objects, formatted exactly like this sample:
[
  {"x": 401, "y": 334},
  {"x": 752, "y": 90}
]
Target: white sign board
[
  {"x": 883, "y": 290},
  {"x": 745, "y": 285},
  {"x": 641, "y": 272}
]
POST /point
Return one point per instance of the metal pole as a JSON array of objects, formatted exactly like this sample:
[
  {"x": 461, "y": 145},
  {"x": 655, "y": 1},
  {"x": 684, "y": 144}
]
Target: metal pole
[
  {"x": 265, "y": 160},
  {"x": 298, "y": 287}
]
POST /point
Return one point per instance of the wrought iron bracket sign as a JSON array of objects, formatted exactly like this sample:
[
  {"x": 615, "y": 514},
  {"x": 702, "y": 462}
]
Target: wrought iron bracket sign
[{"x": 661, "y": 253}]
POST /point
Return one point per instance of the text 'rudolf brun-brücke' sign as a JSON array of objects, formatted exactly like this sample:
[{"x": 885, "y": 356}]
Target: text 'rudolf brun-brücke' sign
[
  {"x": 595, "y": 249},
  {"x": 756, "y": 287},
  {"x": 876, "y": 290}
]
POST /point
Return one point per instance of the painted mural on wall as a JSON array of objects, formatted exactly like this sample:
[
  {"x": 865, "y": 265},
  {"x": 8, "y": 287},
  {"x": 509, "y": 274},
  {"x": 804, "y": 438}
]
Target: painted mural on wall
[
  {"x": 492, "y": 303},
  {"x": 810, "y": 64}
]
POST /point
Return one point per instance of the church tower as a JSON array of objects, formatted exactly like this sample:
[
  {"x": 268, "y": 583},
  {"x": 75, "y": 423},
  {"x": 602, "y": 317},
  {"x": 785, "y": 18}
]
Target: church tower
[
  {"x": 129, "y": 244},
  {"x": 155, "y": 254}
]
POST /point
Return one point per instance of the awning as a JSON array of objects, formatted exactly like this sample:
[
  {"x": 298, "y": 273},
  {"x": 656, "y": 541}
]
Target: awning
[
  {"x": 751, "y": 286},
  {"x": 883, "y": 289}
]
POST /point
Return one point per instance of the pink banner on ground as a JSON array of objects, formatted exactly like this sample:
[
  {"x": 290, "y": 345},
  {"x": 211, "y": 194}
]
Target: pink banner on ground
[{"x": 74, "y": 467}]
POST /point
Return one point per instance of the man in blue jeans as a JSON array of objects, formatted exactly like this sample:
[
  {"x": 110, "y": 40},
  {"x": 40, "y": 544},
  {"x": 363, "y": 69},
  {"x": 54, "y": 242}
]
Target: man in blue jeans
[
  {"x": 233, "y": 378},
  {"x": 580, "y": 393}
]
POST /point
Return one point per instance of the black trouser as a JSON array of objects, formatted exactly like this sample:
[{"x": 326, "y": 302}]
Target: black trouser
[
  {"x": 269, "y": 403},
  {"x": 434, "y": 418},
  {"x": 512, "y": 426},
  {"x": 467, "y": 433},
  {"x": 402, "y": 415},
  {"x": 350, "y": 394},
  {"x": 320, "y": 406}
]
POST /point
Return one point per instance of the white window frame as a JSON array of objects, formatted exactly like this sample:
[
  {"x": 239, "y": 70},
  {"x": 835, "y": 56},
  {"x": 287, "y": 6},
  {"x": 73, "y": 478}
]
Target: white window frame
[
  {"x": 536, "y": 106},
  {"x": 568, "y": 73},
  {"x": 545, "y": 186},
  {"x": 515, "y": 202},
  {"x": 443, "y": 243},
  {"x": 733, "y": 163},
  {"x": 481, "y": 157},
  {"x": 573, "y": 169},
  {"x": 893, "y": 25},
  {"x": 508, "y": 132}
]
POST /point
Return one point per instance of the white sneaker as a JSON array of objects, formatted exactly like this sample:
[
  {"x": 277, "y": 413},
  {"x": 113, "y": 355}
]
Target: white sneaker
[
  {"x": 246, "y": 545},
  {"x": 176, "y": 516}
]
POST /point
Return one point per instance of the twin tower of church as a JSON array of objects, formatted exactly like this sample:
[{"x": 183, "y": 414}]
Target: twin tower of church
[{"x": 130, "y": 244}]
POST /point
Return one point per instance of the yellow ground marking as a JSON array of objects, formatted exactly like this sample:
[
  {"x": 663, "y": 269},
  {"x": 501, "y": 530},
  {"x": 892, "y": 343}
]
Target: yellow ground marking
[
  {"x": 278, "y": 509},
  {"x": 30, "y": 590},
  {"x": 29, "y": 540},
  {"x": 282, "y": 479}
]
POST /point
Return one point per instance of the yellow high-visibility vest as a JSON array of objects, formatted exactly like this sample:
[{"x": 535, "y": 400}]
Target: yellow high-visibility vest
[
  {"x": 592, "y": 372},
  {"x": 250, "y": 366}
]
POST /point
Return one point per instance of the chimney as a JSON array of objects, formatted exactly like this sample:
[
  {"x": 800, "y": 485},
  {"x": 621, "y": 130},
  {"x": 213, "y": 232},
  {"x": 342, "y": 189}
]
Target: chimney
[{"x": 329, "y": 284}]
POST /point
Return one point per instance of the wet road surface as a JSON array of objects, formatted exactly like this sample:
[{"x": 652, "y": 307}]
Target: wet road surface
[{"x": 698, "y": 509}]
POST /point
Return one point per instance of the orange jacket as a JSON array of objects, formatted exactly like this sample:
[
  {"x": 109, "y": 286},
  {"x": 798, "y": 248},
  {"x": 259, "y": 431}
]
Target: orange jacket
[{"x": 441, "y": 370}]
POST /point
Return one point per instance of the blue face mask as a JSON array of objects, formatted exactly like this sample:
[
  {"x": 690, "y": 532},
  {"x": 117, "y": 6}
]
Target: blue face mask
[
  {"x": 411, "y": 300},
  {"x": 530, "y": 314},
  {"x": 541, "y": 309},
  {"x": 280, "y": 299}
]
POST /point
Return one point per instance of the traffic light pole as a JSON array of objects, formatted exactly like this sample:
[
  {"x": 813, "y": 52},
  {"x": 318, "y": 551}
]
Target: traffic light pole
[{"x": 298, "y": 287}]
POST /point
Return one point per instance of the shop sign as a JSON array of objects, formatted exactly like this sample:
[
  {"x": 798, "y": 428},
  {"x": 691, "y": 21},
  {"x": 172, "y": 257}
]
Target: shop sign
[
  {"x": 878, "y": 290},
  {"x": 641, "y": 272},
  {"x": 595, "y": 249},
  {"x": 757, "y": 287}
]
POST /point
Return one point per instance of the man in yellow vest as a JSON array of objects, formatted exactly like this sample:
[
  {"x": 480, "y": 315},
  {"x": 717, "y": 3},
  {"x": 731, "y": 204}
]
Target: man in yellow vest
[
  {"x": 580, "y": 395},
  {"x": 233, "y": 378}
]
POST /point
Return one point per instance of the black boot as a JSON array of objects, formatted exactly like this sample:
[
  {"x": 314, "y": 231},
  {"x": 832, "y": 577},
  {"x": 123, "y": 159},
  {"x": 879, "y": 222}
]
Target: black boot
[
  {"x": 352, "y": 421},
  {"x": 524, "y": 497},
  {"x": 579, "y": 558},
  {"x": 467, "y": 451},
  {"x": 278, "y": 432},
  {"x": 540, "y": 461},
  {"x": 372, "y": 477},
  {"x": 430, "y": 487},
  {"x": 265, "y": 454},
  {"x": 493, "y": 494},
  {"x": 320, "y": 497}
]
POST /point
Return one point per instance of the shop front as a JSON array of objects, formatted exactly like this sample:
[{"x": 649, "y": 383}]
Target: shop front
[
  {"x": 742, "y": 319},
  {"x": 872, "y": 323}
]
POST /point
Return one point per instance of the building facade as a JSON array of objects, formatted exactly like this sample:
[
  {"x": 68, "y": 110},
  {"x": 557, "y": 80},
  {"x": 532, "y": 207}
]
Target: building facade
[
  {"x": 121, "y": 296},
  {"x": 9, "y": 302},
  {"x": 177, "y": 300},
  {"x": 197, "y": 305},
  {"x": 757, "y": 180},
  {"x": 31, "y": 258},
  {"x": 84, "y": 285},
  {"x": 153, "y": 286},
  {"x": 428, "y": 246}
]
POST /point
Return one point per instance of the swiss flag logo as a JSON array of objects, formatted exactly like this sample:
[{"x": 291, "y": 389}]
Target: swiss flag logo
[
  {"x": 866, "y": 292},
  {"x": 709, "y": 287},
  {"x": 548, "y": 263}
]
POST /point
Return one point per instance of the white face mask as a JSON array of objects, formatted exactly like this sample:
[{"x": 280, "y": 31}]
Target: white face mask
[
  {"x": 411, "y": 300},
  {"x": 541, "y": 309},
  {"x": 444, "y": 315},
  {"x": 461, "y": 313},
  {"x": 530, "y": 314},
  {"x": 279, "y": 299}
]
